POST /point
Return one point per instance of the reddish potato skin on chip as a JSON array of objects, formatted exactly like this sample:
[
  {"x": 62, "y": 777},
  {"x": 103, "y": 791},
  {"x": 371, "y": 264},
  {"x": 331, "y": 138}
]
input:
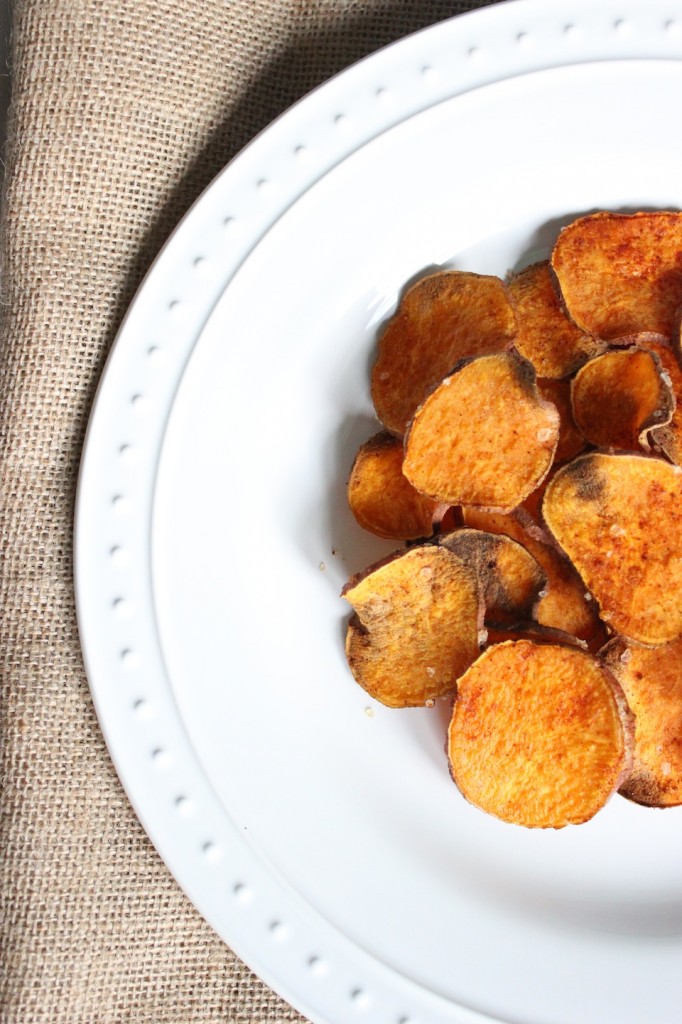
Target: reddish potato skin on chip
[
  {"x": 617, "y": 397},
  {"x": 621, "y": 274},
  {"x": 619, "y": 519},
  {"x": 416, "y": 626},
  {"x": 444, "y": 318},
  {"x": 485, "y": 437},
  {"x": 380, "y": 497},
  {"x": 545, "y": 335},
  {"x": 651, "y": 679},
  {"x": 540, "y": 734}
]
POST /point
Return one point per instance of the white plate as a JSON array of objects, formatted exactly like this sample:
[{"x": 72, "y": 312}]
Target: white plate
[{"x": 318, "y": 832}]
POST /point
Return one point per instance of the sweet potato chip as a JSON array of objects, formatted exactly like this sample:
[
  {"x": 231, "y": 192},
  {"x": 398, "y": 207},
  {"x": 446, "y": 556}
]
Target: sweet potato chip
[
  {"x": 619, "y": 396},
  {"x": 651, "y": 680},
  {"x": 416, "y": 626},
  {"x": 545, "y": 335},
  {"x": 571, "y": 441},
  {"x": 484, "y": 437},
  {"x": 539, "y": 734},
  {"x": 380, "y": 497},
  {"x": 619, "y": 519},
  {"x": 442, "y": 319},
  {"x": 621, "y": 274},
  {"x": 509, "y": 576},
  {"x": 667, "y": 438},
  {"x": 563, "y": 602}
]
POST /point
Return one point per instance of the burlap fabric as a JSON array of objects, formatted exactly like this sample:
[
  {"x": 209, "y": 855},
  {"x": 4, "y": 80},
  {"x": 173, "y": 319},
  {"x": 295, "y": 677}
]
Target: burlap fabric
[{"x": 121, "y": 114}]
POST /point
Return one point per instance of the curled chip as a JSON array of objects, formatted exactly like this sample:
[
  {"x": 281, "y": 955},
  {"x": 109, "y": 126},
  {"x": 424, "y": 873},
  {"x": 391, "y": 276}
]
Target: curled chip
[
  {"x": 509, "y": 576},
  {"x": 571, "y": 441},
  {"x": 651, "y": 679},
  {"x": 380, "y": 497},
  {"x": 621, "y": 274},
  {"x": 545, "y": 335},
  {"x": 442, "y": 319},
  {"x": 619, "y": 519},
  {"x": 539, "y": 734},
  {"x": 485, "y": 437},
  {"x": 667, "y": 438},
  {"x": 416, "y": 627},
  {"x": 619, "y": 396},
  {"x": 563, "y": 603}
]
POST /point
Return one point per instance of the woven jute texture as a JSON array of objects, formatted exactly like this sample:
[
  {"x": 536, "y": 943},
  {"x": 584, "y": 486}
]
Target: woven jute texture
[{"x": 121, "y": 114}]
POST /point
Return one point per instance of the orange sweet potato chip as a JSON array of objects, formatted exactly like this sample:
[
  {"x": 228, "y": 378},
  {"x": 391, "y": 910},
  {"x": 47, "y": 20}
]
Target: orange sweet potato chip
[
  {"x": 651, "y": 679},
  {"x": 485, "y": 437},
  {"x": 666, "y": 438},
  {"x": 563, "y": 601},
  {"x": 545, "y": 335},
  {"x": 619, "y": 396},
  {"x": 442, "y": 319},
  {"x": 380, "y": 497},
  {"x": 509, "y": 576},
  {"x": 620, "y": 274},
  {"x": 539, "y": 734},
  {"x": 416, "y": 625},
  {"x": 571, "y": 441},
  {"x": 619, "y": 519}
]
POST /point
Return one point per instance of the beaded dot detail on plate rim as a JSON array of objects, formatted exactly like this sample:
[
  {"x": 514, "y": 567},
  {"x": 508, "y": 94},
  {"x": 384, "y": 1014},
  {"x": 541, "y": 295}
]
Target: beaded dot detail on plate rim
[
  {"x": 360, "y": 998},
  {"x": 317, "y": 965},
  {"x": 242, "y": 893},
  {"x": 278, "y": 931}
]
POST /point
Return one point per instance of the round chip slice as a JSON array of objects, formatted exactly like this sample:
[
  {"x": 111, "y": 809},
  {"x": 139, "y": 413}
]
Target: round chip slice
[
  {"x": 485, "y": 437},
  {"x": 416, "y": 627},
  {"x": 446, "y": 317},
  {"x": 545, "y": 335},
  {"x": 667, "y": 438},
  {"x": 651, "y": 679},
  {"x": 539, "y": 734},
  {"x": 380, "y": 497},
  {"x": 619, "y": 519},
  {"x": 619, "y": 396},
  {"x": 621, "y": 273}
]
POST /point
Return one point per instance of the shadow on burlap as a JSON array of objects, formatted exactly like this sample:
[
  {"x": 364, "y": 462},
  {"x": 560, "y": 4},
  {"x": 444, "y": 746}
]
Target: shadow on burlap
[{"x": 121, "y": 115}]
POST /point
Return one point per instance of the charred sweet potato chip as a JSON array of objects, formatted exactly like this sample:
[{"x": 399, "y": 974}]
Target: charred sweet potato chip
[
  {"x": 619, "y": 396},
  {"x": 651, "y": 679},
  {"x": 539, "y": 734},
  {"x": 416, "y": 626},
  {"x": 545, "y": 335},
  {"x": 621, "y": 274},
  {"x": 446, "y": 317},
  {"x": 484, "y": 437},
  {"x": 509, "y": 576},
  {"x": 571, "y": 441},
  {"x": 380, "y": 497},
  {"x": 619, "y": 519},
  {"x": 562, "y": 602}
]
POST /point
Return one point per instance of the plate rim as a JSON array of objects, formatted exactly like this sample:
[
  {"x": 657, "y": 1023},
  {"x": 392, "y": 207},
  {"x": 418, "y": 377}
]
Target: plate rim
[{"x": 325, "y": 997}]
